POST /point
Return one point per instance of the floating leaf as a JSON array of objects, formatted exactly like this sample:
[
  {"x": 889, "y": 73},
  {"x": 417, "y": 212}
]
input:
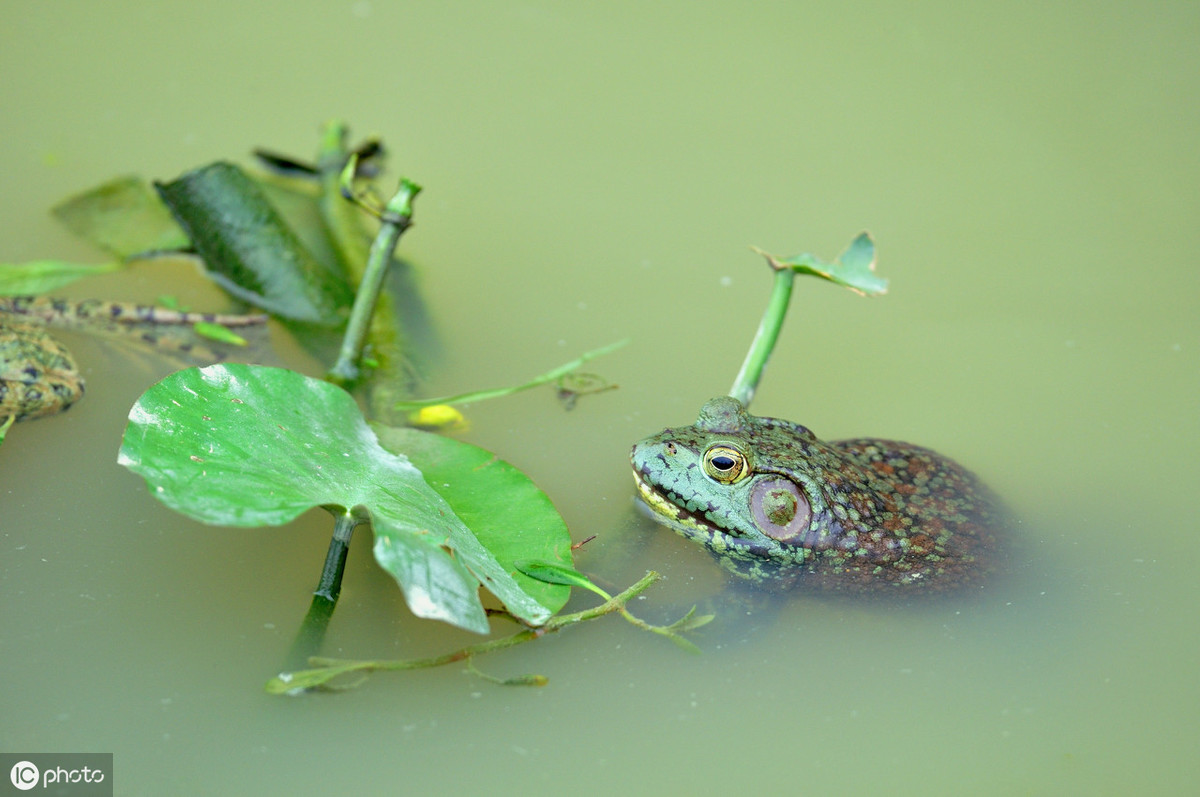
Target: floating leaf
[
  {"x": 502, "y": 506},
  {"x": 557, "y": 574},
  {"x": 853, "y": 268},
  {"x": 122, "y": 216},
  {"x": 249, "y": 250},
  {"x": 207, "y": 329},
  {"x": 691, "y": 621},
  {"x": 246, "y": 445},
  {"x": 42, "y": 276}
]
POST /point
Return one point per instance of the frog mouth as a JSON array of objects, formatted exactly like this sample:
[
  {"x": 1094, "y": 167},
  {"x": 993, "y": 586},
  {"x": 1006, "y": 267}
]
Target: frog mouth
[
  {"x": 661, "y": 509},
  {"x": 734, "y": 551}
]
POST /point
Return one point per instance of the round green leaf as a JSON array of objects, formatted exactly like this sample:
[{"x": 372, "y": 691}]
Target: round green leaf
[
  {"x": 503, "y": 507},
  {"x": 247, "y": 445}
]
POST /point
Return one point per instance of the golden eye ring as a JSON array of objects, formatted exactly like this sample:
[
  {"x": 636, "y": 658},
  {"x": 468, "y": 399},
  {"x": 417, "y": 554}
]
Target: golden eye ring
[{"x": 725, "y": 464}]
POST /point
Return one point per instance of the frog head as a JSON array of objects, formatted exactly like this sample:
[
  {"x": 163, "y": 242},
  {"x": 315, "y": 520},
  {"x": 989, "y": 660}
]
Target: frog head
[{"x": 763, "y": 495}]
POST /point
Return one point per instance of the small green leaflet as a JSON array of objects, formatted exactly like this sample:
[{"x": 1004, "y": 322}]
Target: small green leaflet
[
  {"x": 43, "y": 276},
  {"x": 552, "y": 573},
  {"x": 854, "y": 268},
  {"x": 207, "y": 329}
]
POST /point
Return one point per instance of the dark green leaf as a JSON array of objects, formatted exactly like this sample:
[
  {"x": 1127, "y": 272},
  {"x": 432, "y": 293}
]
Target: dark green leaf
[
  {"x": 557, "y": 574},
  {"x": 249, "y": 250},
  {"x": 297, "y": 202},
  {"x": 245, "y": 445},
  {"x": 512, "y": 518},
  {"x": 122, "y": 216}
]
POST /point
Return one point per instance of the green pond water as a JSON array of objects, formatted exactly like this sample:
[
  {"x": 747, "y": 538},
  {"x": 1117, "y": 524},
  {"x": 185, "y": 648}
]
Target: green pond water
[{"x": 594, "y": 172}]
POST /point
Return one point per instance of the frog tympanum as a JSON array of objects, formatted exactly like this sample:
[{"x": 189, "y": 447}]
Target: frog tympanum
[{"x": 776, "y": 505}]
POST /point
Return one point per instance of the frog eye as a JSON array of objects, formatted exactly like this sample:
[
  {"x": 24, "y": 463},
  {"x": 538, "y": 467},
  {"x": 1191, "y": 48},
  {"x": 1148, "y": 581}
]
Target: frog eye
[{"x": 726, "y": 464}]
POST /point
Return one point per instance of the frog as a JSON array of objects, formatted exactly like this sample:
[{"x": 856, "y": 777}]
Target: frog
[
  {"x": 38, "y": 375},
  {"x": 778, "y": 506}
]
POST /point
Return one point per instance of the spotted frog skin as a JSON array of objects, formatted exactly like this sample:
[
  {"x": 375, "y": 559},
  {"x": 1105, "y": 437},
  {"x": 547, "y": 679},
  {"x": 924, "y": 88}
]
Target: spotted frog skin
[
  {"x": 776, "y": 505},
  {"x": 38, "y": 376}
]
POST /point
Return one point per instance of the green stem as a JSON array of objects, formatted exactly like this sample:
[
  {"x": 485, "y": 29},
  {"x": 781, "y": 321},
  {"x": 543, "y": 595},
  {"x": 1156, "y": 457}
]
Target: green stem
[
  {"x": 342, "y": 219},
  {"x": 392, "y": 374},
  {"x": 328, "y": 669},
  {"x": 396, "y": 218},
  {"x": 312, "y": 631},
  {"x": 482, "y": 395},
  {"x": 755, "y": 363},
  {"x": 330, "y": 585}
]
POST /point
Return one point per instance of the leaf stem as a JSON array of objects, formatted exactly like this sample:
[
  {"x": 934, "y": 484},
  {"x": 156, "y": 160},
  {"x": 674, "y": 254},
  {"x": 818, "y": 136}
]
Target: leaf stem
[
  {"x": 746, "y": 382},
  {"x": 312, "y": 631},
  {"x": 396, "y": 218},
  {"x": 546, "y": 378}
]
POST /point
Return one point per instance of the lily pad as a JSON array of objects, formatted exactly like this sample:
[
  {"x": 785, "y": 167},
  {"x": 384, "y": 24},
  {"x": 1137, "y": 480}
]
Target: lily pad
[
  {"x": 502, "y": 506},
  {"x": 245, "y": 445}
]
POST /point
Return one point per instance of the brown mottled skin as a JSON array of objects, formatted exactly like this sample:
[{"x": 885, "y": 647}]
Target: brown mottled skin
[
  {"x": 776, "y": 505},
  {"x": 37, "y": 374}
]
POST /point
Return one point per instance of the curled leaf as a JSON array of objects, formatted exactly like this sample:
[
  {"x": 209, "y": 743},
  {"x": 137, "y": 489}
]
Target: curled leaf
[{"x": 854, "y": 268}]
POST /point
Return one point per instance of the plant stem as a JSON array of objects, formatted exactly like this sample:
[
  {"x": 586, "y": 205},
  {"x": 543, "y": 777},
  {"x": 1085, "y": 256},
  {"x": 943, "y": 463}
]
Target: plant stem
[
  {"x": 328, "y": 669},
  {"x": 312, "y": 631},
  {"x": 396, "y": 218},
  {"x": 330, "y": 585},
  {"x": 755, "y": 363},
  {"x": 482, "y": 395}
]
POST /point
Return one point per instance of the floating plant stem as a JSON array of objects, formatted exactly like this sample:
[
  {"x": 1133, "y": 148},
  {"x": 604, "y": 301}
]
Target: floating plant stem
[{"x": 396, "y": 218}]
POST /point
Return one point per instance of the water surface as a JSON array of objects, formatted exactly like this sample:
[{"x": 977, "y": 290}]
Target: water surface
[{"x": 598, "y": 173}]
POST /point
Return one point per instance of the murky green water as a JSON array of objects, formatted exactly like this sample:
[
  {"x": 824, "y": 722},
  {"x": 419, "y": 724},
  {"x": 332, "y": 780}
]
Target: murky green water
[{"x": 594, "y": 173}]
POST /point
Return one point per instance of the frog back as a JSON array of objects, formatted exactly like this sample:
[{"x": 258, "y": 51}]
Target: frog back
[
  {"x": 922, "y": 521},
  {"x": 38, "y": 376}
]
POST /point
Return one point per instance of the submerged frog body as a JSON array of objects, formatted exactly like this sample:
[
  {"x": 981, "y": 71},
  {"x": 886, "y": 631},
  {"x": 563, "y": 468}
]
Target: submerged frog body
[
  {"x": 39, "y": 377},
  {"x": 775, "y": 504}
]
